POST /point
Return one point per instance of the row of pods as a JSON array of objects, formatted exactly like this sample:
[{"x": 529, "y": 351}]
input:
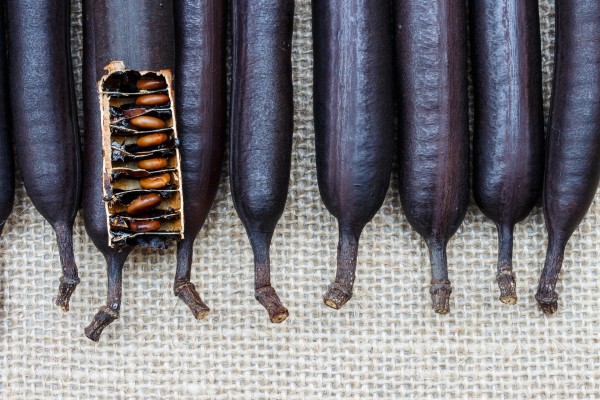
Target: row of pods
[{"x": 153, "y": 154}]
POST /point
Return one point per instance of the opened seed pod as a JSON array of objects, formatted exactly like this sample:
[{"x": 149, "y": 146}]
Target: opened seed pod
[{"x": 125, "y": 60}]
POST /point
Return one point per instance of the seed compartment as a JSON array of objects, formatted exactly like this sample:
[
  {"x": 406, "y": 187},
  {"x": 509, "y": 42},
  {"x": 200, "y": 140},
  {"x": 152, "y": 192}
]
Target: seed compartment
[{"x": 144, "y": 206}]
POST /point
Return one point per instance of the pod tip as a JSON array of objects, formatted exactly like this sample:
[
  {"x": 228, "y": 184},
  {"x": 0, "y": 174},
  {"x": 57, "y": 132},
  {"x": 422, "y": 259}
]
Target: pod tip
[
  {"x": 267, "y": 296},
  {"x": 186, "y": 291},
  {"x": 102, "y": 319},
  {"x": 337, "y": 295},
  {"x": 548, "y": 303},
  {"x": 511, "y": 300},
  {"x": 440, "y": 297},
  {"x": 508, "y": 287},
  {"x": 65, "y": 290}
]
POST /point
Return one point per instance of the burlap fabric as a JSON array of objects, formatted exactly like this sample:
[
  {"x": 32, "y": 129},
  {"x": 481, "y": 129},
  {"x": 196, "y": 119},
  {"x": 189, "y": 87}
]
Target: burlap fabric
[{"x": 385, "y": 343}]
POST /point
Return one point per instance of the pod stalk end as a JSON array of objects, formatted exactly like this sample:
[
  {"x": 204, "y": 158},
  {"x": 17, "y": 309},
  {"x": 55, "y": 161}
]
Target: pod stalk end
[
  {"x": 186, "y": 291},
  {"x": 65, "y": 290},
  {"x": 340, "y": 291},
  {"x": 508, "y": 287},
  {"x": 267, "y": 296},
  {"x": 505, "y": 277},
  {"x": 337, "y": 295},
  {"x": 102, "y": 319},
  {"x": 546, "y": 295},
  {"x": 548, "y": 302},
  {"x": 70, "y": 278},
  {"x": 440, "y": 296}
]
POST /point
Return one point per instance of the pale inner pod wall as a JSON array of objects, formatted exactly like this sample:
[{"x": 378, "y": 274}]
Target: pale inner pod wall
[{"x": 385, "y": 343}]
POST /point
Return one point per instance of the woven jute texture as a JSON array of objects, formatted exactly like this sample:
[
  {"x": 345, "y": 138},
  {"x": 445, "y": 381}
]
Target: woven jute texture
[{"x": 385, "y": 343}]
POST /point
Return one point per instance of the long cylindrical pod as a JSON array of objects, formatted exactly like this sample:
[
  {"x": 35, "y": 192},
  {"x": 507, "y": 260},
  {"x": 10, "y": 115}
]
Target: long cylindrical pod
[
  {"x": 353, "y": 103},
  {"x": 508, "y": 146},
  {"x": 431, "y": 40},
  {"x": 44, "y": 120},
  {"x": 573, "y": 142},
  {"x": 261, "y": 129},
  {"x": 201, "y": 91},
  {"x": 7, "y": 168},
  {"x": 140, "y": 34}
]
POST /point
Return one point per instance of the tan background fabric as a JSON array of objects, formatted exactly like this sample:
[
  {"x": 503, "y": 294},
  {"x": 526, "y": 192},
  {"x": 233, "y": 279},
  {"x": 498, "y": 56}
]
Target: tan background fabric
[{"x": 385, "y": 343}]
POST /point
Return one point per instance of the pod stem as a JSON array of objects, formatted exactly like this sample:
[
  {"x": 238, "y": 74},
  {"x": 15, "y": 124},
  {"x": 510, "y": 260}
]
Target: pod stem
[
  {"x": 505, "y": 277},
  {"x": 109, "y": 312},
  {"x": 441, "y": 287},
  {"x": 263, "y": 291},
  {"x": 70, "y": 277},
  {"x": 340, "y": 291},
  {"x": 183, "y": 287},
  {"x": 546, "y": 295}
]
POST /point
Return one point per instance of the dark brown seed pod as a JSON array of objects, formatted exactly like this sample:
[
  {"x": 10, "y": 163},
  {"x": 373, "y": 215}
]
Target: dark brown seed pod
[
  {"x": 7, "y": 168},
  {"x": 573, "y": 142},
  {"x": 431, "y": 60},
  {"x": 261, "y": 129},
  {"x": 353, "y": 103},
  {"x": 508, "y": 161},
  {"x": 39, "y": 53},
  {"x": 110, "y": 27},
  {"x": 200, "y": 32}
]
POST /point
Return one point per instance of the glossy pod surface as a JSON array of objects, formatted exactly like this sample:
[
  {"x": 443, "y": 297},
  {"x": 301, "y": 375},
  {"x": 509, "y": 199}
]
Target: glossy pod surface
[
  {"x": 44, "y": 120},
  {"x": 353, "y": 103},
  {"x": 200, "y": 87},
  {"x": 261, "y": 129},
  {"x": 113, "y": 32},
  {"x": 508, "y": 146},
  {"x": 573, "y": 141},
  {"x": 433, "y": 126}
]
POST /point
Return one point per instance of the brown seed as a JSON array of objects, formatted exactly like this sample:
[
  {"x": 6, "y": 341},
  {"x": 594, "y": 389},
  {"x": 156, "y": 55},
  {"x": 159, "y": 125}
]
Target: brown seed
[
  {"x": 152, "y": 164},
  {"x": 151, "y": 84},
  {"x": 156, "y": 182},
  {"x": 144, "y": 226},
  {"x": 144, "y": 203},
  {"x": 152, "y": 99},
  {"x": 152, "y": 140},
  {"x": 147, "y": 122}
]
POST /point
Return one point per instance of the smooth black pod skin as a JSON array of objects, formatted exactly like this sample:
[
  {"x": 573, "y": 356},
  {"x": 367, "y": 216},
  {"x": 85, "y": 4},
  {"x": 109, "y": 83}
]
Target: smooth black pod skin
[
  {"x": 44, "y": 120},
  {"x": 573, "y": 141},
  {"x": 261, "y": 129},
  {"x": 200, "y": 95},
  {"x": 141, "y": 34},
  {"x": 7, "y": 168},
  {"x": 431, "y": 59},
  {"x": 353, "y": 106},
  {"x": 508, "y": 145}
]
